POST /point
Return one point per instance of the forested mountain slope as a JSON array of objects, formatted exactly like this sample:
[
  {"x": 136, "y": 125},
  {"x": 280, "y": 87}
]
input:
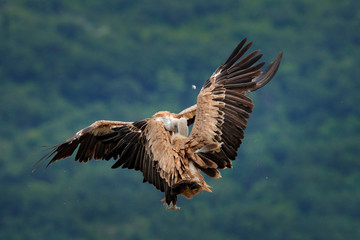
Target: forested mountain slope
[{"x": 66, "y": 64}]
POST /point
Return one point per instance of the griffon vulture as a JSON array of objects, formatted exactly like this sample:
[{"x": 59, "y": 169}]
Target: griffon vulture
[{"x": 160, "y": 146}]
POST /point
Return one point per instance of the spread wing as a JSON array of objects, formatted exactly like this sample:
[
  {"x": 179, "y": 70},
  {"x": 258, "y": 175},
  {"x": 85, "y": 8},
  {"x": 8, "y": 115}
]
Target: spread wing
[
  {"x": 223, "y": 109},
  {"x": 87, "y": 139},
  {"x": 143, "y": 145}
]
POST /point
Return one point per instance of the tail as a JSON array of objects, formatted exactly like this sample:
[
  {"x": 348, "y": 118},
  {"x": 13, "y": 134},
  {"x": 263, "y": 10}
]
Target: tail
[{"x": 187, "y": 188}]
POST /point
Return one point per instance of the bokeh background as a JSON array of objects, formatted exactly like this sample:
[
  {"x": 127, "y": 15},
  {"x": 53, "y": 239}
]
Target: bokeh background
[{"x": 66, "y": 64}]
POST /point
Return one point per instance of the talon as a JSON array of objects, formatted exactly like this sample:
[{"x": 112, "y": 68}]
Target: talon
[{"x": 171, "y": 206}]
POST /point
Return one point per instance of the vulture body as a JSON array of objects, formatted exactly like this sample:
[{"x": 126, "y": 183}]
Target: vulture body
[{"x": 161, "y": 148}]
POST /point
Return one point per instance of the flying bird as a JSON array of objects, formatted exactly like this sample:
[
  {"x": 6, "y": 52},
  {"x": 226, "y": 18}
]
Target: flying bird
[{"x": 161, "y": 147}]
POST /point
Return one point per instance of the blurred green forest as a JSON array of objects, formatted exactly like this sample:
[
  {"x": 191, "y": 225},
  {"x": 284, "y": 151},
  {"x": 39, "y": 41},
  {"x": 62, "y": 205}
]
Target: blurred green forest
[{"x": 66, "y": 64}]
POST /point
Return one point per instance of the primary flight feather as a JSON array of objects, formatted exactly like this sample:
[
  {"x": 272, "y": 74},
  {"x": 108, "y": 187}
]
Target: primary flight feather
[{"x": 161, "y": 148}]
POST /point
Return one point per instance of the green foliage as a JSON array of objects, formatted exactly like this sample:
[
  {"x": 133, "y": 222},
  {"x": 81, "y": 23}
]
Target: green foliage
[{"x": 66, "y": 64}]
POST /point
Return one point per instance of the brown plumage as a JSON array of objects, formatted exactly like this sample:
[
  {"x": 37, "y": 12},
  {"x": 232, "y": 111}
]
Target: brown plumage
[{"x": 161, "y": 148}]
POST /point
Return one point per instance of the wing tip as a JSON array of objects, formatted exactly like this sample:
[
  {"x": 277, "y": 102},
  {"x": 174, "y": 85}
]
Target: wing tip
[
  {"x": 269, "y": 73},
  {"x": 51, "y": 151}
]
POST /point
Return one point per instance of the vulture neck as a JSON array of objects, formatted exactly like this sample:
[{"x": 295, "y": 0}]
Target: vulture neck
[
  {"x": 173, "y": 124},
  {"x": 182, "y": 127},
  {"x": 180, "y": 130}
]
